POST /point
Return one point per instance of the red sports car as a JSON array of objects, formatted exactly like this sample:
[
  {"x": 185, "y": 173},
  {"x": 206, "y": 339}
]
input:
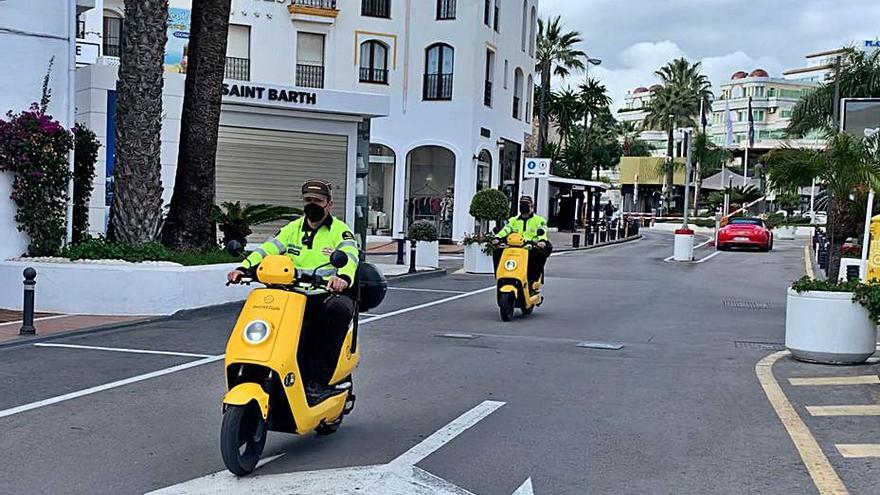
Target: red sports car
[{"x": 745, "y": 232}]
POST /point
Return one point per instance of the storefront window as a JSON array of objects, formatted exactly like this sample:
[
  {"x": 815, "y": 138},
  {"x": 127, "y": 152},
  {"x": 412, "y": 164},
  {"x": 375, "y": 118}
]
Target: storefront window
[
  {"x": 484, "y": 171},
  {"x": 510, "y": 154},
  {"x": 430, "y": 186},
  {"x": 381, "y": 189}
]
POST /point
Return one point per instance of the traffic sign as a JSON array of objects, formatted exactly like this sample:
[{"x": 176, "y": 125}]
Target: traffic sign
[{"x": 536, "y": 168}]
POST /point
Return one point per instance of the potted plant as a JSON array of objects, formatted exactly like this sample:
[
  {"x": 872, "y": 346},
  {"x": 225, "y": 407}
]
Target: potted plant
[
  {"x": 235, "y": 220},
  {"x": 832, "y": 322},
  {"x": 786, "y": 227},
  {"x": 424, "y": 234},
  {"x": 486, "y": 206}
]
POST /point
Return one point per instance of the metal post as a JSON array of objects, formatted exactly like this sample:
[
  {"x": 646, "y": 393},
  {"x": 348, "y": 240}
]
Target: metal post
[
  {"x": 813, "y": 203},
  {"x": 687, "y": 175},
  {"x": 401, "y": 251},
  {"x": 866, "y": 237},
  {"x": 412, "y": 256},
  {"x": 575, "y": 241},
  {"x": 27, "y": 318}
]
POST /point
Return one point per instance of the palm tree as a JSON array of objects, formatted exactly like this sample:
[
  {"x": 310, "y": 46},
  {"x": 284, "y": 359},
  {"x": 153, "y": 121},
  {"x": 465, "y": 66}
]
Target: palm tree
[
  {"x": 859, "y": 76},
  {"x": 847, "y": 166},
  {"x": 136, "y": 212},
  {"x": 594, "y": 99},
  {"x": 190, "y": 224},
  {"x": 564, "y": 109},
  {"x": 631, "y": 144},
  {"x": 556, "y": 54}
]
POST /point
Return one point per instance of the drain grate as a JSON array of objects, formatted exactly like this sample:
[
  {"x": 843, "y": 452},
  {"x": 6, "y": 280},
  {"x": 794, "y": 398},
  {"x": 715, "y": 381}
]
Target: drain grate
[
  {"x": 743, "y": 304},
  {"x": 759, "y": 346}
]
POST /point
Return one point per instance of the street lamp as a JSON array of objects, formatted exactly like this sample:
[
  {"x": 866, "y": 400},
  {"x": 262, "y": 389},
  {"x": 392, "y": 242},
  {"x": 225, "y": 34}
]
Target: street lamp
[{"x": 592, "y": 61}]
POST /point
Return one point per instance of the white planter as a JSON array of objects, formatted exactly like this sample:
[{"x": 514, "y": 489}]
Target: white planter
[
  {"x": 428, "y": 254},
  {"x": 786, "y": 233},
  {"x": 828, "y": 327},
  {"x": 124, "y": 289},
  {"x": 476, "y": 261}
]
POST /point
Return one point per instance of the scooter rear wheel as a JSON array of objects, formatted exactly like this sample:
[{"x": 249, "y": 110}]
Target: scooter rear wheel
[
  {"x": 506, "y": 304},
  {"x": 242, "y": 438}
]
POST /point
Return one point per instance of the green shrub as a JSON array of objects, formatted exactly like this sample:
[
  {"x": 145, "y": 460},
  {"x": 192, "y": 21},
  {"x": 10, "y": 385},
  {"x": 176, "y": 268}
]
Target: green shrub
[
  {"x": 422, "y": 230},
  {"x": 85, "y": 153},
  {"x": 235, "y": 220},
  {"x": 99, "y": 248},
  {"x": 490, "y": 204},
  {"x": 868, "y": 295}
]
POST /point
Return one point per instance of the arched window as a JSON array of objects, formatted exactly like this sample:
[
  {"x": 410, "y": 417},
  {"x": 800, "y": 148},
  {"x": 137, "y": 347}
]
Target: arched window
[
  {"x": 525, "y": 18},
  {"x": 380, "y": 185},
  {"x": 484, "y": 171},
  {"x": 439, "y": 65},
  {"x": 112, "y": 42},
  {"x": 533, "y": 24},
  {"x": 517, "y": 93},
  {"x": 374, "y": 62}
]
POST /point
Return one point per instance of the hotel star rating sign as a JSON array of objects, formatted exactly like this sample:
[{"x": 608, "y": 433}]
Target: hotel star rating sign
[
  {"x": 398, "y": 477},
  {"x": 536, "y": 168}
]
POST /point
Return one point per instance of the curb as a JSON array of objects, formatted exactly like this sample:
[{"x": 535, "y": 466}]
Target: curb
[
  {"x": 596, "y": 246},
  {"x": 440, "y": 272}
]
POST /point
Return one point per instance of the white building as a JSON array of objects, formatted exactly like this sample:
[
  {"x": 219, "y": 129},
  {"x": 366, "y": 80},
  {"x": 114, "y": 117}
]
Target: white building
[
  {"x": 458, "y": 115},
  {"x": 635, "y": 110},
  {"x": 32, "y": 37}
]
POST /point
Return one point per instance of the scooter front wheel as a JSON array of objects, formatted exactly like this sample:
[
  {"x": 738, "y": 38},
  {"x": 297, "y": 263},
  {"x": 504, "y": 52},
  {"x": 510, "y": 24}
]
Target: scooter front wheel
[
  {"x": 242, "y": 438},
  {"x": 506, "y": 304}
]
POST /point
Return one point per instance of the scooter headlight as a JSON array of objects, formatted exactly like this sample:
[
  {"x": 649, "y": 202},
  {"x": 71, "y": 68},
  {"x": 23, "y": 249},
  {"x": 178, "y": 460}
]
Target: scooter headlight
[
  {"x": 510, "y": 265},
  {"x": 256, "y": 331}
]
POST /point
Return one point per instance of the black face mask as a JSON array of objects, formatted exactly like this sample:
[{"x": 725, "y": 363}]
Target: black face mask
[
  {"x": 314, "y": 213},
  {"x": 524, "y": 208}
]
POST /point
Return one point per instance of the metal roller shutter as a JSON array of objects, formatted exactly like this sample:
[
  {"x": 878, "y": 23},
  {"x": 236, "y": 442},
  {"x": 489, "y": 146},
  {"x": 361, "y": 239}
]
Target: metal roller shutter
[{"x": 267, "y": 166}]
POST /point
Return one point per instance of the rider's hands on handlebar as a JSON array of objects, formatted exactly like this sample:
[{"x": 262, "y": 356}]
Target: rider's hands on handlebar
[
  {"x": 496, "y": 241},
  {"x": 542, "y": 244},
  {"x": 336, "y": 284},
  {"x": 234, "y": 276}
]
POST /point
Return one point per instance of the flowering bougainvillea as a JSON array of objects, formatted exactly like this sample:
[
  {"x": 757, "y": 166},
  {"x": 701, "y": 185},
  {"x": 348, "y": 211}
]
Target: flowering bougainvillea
[{"x": 34, "y": 147}]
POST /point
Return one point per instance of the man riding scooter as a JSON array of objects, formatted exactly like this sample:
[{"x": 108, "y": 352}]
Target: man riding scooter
[
  {"x": 310, "y": 241},
  {"x": 533, "y": 228}
]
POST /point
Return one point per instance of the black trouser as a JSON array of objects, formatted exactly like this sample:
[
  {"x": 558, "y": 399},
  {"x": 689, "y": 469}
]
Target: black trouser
[
  {"x": 537, "y": 260},
  {"x": 326, "y": 323}
]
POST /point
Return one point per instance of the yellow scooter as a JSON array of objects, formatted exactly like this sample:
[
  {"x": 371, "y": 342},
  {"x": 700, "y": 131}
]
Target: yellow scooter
[
  {"x": 512, "y": 277},
  {"x": 266, "y": 389}
]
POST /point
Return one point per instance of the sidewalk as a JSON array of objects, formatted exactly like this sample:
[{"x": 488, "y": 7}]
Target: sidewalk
[{"x": 55, "y": 324}]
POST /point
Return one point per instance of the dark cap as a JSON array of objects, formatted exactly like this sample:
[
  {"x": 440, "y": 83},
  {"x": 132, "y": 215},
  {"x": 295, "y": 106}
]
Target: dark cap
[
  {"x": 320, "y": 189},
  {"x": 526, "y": 199}
]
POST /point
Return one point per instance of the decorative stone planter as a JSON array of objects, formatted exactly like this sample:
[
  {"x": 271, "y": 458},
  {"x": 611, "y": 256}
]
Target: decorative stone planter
[
  {"x": 476, "y": 261},
  {"x": 428, "y": 254},
  {"x": 786, "y": 233},
  {"x": 828, "y": 328}
]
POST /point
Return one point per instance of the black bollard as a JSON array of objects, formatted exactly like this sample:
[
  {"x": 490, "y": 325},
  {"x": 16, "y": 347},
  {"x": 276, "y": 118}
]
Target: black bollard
[
  {"x": 575, "y": 240},
  {"x": 412, "y": 256},
  {"x": 27, "y": 318},
  {"x": 401, "y": 251},
  {"x": 853, "y": 272}
]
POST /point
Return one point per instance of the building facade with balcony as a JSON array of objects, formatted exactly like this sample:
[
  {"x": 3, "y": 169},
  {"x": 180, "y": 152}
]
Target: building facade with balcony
[
  {"x": 458, "y": 76},
  {"x": 635, "y": 111},
  {"x": 773, "y": 100}
]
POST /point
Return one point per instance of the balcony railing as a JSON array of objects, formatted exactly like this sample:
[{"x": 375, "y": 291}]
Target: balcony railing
[
  {"x": 319, "y": 4},
  {"x": 437, "y": 87},
  {"x": 376, "y": 8},
  {"x": 238, "y": 69},
  {"x": 377, "y": 76},
  {"x": 516, "y": 107},
  {"x": 487, "y": 94},
  {"x": 309, "y": 76}
]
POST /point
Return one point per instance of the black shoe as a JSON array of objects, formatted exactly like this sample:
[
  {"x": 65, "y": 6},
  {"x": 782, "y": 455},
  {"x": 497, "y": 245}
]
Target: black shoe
[{"x": 316, "y": 392}]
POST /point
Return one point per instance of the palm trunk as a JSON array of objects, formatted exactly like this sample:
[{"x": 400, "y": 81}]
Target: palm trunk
[
  {"x": 136, "y": 212},
  {"x": 698, "y": 183},
  {"x": 669, "y": 176},
  {"x": 190, "y": 224},
  {"x": 543, "y": 124}
]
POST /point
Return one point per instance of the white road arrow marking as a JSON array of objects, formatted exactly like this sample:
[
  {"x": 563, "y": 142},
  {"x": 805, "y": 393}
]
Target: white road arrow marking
[{"x": 398, "y": 477}]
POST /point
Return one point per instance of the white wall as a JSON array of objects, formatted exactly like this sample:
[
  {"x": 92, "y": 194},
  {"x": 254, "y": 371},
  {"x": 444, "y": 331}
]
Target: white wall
[{"x": 24, "y": 60}]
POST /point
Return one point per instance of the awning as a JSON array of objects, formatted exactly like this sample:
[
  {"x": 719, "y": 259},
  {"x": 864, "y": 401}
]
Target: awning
[
  {"x": 722, "y": 180},
  {"x": 595, "y": 184}
]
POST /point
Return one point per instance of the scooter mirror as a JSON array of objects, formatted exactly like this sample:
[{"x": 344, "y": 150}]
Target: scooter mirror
[
  {"x": 541, "y": 231},
  {"x": 234, "y": 248},
  {"x": 338, "y": 259}
]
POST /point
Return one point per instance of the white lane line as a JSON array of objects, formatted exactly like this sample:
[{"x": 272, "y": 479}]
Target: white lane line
[
  {"x": 120, "y": 349},
  {"x": 426, "y": 305},
  {"x": 707, "y": 258},
  {"x": 836, "y": 380},
  {"x": 526, "y": 488},
  {"x": 440, "y": 291},
  {"x": 854, "y": 410},
  {"x": 36, "y": 320},
  {"x": 207, "y": 360},
  {"x": 859, "y": 450},
  {"x": 107, "y": 386},
  {"x": 446, "y": 434}
]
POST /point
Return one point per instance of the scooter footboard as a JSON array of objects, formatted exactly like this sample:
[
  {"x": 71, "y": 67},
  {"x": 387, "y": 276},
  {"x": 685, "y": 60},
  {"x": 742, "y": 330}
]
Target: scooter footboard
[{"x": 244, "y": 393}]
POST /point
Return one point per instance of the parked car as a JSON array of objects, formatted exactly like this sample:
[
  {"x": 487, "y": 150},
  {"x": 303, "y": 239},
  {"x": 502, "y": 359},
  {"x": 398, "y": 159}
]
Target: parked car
[{"x": 745, "y": 232}]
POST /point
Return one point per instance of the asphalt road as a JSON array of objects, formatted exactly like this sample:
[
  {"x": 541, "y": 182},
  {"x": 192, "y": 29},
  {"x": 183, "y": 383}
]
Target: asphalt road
[{"x": 677, "y": 410}]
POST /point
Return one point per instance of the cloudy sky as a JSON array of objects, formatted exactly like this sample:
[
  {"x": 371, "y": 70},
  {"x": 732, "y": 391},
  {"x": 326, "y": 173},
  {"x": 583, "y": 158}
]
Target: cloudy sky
[{"x": 635, "y": 37}]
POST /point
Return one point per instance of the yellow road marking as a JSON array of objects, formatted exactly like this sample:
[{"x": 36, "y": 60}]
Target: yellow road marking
[
  {"x": 836, "y": 380},
  {"x": 860, "y": 410},
  {"x": 824, "y": 476},
  {"x": 808, "y": 260},
  {"x": 859, "y": 450}
]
